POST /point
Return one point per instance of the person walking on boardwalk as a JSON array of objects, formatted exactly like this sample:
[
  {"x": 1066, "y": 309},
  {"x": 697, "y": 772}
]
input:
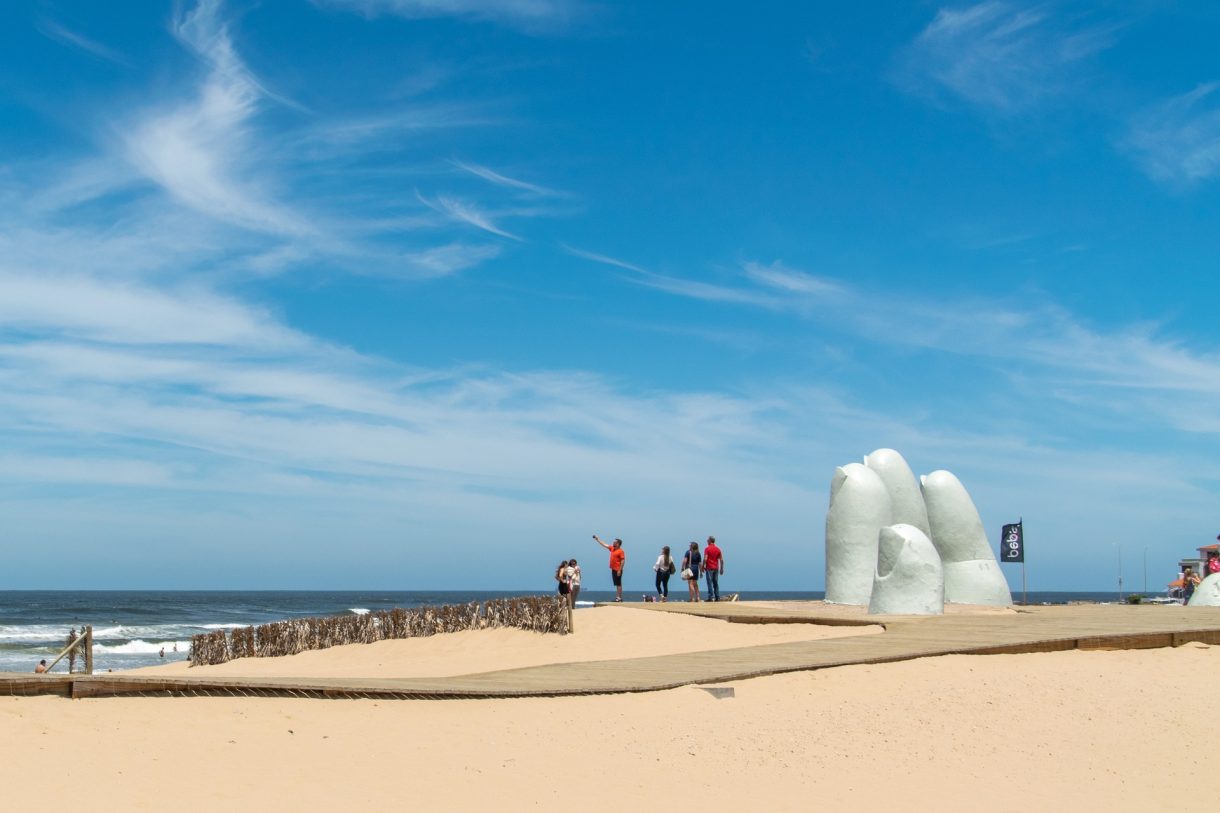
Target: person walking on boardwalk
[
  {"x": 664, "y": 568},
  {"x": 713, "y": 566},
  {"x": 618, "y": 560},
  {"x": 690, "y": 571},
  {"x": 573, "y": 582}
]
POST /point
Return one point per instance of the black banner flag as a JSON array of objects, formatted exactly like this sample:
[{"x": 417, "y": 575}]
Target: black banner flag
[{"x": 1012, "y": 543}]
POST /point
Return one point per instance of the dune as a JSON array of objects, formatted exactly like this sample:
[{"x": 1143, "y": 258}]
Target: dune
[{"x": 602, "y": 633}]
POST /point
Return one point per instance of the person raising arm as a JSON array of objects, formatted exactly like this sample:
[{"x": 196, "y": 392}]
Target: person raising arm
[{"x": 618, "y": 560}]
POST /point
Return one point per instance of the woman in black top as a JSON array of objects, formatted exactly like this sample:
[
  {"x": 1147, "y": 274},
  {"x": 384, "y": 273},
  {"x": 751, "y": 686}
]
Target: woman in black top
[{"x": 690, "y": 570}]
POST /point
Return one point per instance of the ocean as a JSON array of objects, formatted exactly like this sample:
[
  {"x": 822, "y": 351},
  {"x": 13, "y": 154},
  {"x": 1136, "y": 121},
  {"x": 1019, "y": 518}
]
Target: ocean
[{"x": 131, "y": 628}]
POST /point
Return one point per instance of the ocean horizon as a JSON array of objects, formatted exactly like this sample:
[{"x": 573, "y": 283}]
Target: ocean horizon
[{"x": 132, "y": 628}]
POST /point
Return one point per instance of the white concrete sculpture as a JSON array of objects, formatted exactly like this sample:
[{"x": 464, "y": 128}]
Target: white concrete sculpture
[
  {"x": 1207, "y": 594},
  {"x": 972, "y": 574},
  {"x": 909, "y": 579},
  {"x": 859, "y": 509},
  {"x": 906, "y": 499}
]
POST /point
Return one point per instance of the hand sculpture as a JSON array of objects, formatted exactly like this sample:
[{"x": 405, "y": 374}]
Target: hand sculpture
[{"x": 882, "y": 501}]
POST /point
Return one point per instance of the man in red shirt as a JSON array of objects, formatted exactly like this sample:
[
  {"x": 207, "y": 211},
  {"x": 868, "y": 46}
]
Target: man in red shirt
[
  {"x": 618, "y": 559},
  {"x": 713, "y": 566}
]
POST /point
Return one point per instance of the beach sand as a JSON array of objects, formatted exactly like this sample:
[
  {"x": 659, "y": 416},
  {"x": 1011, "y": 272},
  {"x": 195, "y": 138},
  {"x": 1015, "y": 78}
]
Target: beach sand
[
  {"x": 1095, "y": 730},
  {"x": 602, "y": 633}
]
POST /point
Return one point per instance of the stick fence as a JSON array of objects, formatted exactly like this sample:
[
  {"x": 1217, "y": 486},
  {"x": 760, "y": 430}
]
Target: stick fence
[{"x": 536, "y": 613}]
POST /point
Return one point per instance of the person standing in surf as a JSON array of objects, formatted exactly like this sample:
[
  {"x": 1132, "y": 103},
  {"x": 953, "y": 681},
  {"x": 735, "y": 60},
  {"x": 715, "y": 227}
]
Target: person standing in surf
[{"x": 618, "y": 560}]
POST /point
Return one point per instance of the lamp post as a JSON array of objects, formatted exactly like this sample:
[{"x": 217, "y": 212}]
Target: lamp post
[
  {"x": 1145, "y": 570},
  {"x": 1119, "y": 548}
]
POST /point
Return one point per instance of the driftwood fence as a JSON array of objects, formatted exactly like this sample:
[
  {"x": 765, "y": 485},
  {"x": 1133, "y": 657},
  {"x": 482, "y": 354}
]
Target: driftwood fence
[{"x": 535, "y": 613}]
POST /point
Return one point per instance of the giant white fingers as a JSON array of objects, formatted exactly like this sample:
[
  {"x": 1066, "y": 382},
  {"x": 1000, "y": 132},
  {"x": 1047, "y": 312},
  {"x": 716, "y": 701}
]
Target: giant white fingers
[
  {"x": 909, "y": 579},
  {"x": 906, "y": 498},
  {"x": 859, "y": 508},
  {"x": 972, "y": 575}
]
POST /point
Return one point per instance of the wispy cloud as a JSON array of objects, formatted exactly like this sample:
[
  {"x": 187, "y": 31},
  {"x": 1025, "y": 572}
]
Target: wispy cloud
[
  {"x": 115, "y": 312},
  {"x": 503, "y": 180},
  {"x": 1178, "y": 141},
  {"x": 61, "y": 33},
  {"x": 776, "y": 283},
  {"x": 1000, "y": 57},
  {"x": 604, "y": 259},
  {"x": 526, "y": 14},
  {"x": 1126, "y": 370},
  {"x": 199, "y": 151},
  {"x": 269, "y": 192},
  {"x": 777, "y": 275},
  {"x": 468, "y": 213},
  {"x": 442, "y": 261}
]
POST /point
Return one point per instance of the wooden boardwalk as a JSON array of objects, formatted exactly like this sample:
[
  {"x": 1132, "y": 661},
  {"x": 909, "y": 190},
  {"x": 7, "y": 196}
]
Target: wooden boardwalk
[{"x": 1030, "y": 629}]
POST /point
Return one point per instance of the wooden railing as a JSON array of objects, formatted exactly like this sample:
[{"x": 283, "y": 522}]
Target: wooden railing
[{"x": 79, "y": 644}]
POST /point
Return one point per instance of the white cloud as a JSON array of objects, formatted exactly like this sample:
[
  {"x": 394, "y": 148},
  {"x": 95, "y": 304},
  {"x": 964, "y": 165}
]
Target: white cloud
[
  {"x": 468, "y": 213},
  {"x": 999, "y": 56},
  {"x": 496, "y": 178},
  {"x": 441, "y": 261},
  {"x": 604, "y": 259},
  {"x": 84, "y": 307},
  {"x": 61, "y": 33},
  {"x": 199, "y": 150},
  {"x": 1127, "y": 370},
  {"x": 777, "y": 275},
  {"x": 528, "y": 14},
  {"x": 1178, "y": 141}
]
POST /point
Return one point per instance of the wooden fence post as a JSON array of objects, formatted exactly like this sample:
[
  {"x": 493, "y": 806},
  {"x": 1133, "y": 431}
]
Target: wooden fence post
[{"x": 88, "y": 649}]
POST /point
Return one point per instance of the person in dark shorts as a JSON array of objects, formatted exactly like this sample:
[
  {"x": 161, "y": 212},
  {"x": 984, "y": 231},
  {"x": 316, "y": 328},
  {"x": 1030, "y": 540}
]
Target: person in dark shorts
[
  {"x": 561, "y": 576},
  {"x": 618, "y": 560},
  {"x": 690, "y": 571}
]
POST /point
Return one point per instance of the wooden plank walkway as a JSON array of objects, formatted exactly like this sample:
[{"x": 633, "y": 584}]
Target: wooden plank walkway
[{"x": 1030, "y": 629}]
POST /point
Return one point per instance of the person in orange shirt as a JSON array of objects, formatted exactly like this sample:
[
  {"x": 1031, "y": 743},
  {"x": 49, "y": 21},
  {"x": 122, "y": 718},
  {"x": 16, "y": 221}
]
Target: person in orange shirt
[{"x": 618, "y": 560}]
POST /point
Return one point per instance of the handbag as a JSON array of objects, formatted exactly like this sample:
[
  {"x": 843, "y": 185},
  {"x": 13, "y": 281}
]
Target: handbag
[{"x": 687, "y": 573}]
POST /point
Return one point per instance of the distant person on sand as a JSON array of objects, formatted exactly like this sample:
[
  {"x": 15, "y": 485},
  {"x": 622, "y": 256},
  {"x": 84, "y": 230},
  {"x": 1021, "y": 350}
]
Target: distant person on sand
[
  {"x": 618, "y": 560},
  {"x": 713, "y": 566},
  {"x": 573, "y": 582},
  {"x": 1190, "y": 580},
  {"x": 41, "y": 668},
  {"x": 561, "y": 576},
  {"x": 664, "y": 568},
  {"x": 690, "y": 571}
]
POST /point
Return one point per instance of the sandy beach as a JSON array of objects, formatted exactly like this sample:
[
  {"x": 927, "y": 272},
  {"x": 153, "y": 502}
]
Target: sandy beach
[
  {"x": 603, "y": 633},
  {"x": 1106, "y": 730}
]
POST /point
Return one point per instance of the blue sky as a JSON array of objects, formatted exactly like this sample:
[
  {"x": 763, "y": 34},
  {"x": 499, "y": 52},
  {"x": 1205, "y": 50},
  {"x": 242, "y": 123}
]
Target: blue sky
[{"x": 411, "y": 294}]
